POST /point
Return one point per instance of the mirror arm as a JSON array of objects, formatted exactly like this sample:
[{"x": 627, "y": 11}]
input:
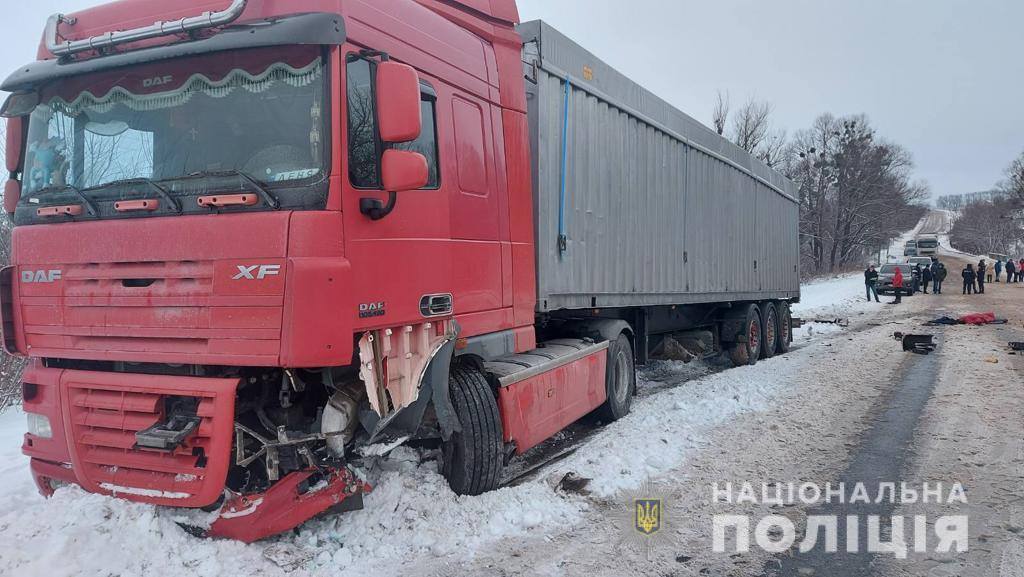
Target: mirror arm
[{"x": 375, "y": 209}]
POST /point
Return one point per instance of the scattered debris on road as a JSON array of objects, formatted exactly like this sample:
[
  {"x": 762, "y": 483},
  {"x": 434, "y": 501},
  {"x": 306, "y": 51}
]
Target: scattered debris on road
[
  {"x": 969, "y": 319},
  {"x": 920, "y": 344},
  {"x": 573, "y": 483},
  {"x": 838, "y": 321}
]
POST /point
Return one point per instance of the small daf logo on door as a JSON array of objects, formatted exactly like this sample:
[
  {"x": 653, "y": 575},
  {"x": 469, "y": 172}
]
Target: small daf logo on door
[
  {"x": 367, "y": 310},
  {"x": 40, "y": 276},
  {"x": 257, "y": 271}
]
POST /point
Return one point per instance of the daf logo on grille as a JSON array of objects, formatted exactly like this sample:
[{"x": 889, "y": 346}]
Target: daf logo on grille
[
  {"x": 256, "y": 271},
  {"x": 157, "y": 81},
  {"x": 40, "y": 276}
]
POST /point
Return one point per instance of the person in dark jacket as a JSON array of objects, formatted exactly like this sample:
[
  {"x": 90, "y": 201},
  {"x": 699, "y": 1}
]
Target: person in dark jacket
[
  {"x": 969, "y": 277},
  {"x": 926, "y": 278},
  {"x": 915, "y": 279},
  {"x": 940, "y": 276},
  {"x": 998, "y": 266},
  {"x": 982, "y": 269},
  {"x": 870, "y": 282},
  {"x": 1011, "y": 270}
]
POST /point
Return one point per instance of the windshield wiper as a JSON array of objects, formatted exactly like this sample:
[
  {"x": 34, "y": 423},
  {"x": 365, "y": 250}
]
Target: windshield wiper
[
  {"x": 267, "y": 196},
  {"x": 90, "y": 206},
  {"x": 163, "y": 192}
]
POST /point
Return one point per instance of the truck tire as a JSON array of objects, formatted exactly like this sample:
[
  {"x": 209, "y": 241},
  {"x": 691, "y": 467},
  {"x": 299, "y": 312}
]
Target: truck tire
[
  {"x": 785, "y": 328},
  {"x": 619, "y": 380},
  {"x": 769, "y": 329},
  {"x": 471, "y": 460},
  {"x": 747, "y": 352}
]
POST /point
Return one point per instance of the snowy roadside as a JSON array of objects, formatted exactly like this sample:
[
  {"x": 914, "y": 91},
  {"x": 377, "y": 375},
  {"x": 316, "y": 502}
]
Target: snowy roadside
[{"x": 411, "y": 514}]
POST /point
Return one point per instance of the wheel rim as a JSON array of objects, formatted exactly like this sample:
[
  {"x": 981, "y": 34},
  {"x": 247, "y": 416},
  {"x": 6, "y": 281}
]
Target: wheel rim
[
  {"x": 769, "y": 331},
  {"x": 621, "y": 377},
  {"x": 754, "y": 335}
]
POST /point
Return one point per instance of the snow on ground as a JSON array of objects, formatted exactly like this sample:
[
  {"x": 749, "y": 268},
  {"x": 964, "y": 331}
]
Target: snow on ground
[{"x": 411, "y": 513}]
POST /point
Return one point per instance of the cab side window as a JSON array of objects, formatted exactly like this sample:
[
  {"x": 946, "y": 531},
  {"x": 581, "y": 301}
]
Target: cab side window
[{"x": 364, "y": 146}]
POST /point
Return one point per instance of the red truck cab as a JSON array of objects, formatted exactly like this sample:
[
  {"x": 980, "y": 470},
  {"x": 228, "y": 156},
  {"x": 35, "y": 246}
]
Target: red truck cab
[{"x": 252, "y": 239}]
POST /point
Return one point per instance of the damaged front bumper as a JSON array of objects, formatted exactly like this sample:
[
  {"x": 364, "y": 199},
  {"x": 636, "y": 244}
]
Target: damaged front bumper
[{"x": 293, "y": 500}]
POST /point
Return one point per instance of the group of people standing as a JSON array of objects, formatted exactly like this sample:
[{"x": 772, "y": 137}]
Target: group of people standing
[
  {"x": 974, "y": 279},
  {"x": 1014, "y": 270},
  {"x": 921, "y": 278}
]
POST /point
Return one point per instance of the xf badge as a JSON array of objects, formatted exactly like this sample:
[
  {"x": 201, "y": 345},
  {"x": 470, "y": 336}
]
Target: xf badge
[{"x": 257, "y": 271}]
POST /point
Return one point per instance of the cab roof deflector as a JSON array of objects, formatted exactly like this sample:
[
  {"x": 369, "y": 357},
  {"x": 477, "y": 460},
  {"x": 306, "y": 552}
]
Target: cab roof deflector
[{"x": 315, "y": 28}]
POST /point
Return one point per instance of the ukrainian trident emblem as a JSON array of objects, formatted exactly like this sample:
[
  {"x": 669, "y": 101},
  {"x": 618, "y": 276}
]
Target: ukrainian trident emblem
[{"x": 648, "y": 515}]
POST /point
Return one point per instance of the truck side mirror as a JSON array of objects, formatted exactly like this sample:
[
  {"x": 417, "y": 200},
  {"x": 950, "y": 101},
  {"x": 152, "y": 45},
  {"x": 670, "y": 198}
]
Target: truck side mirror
[
  {"x": 398, "y": 102},
  {"x": 14, "y": 145},
  {"x": 12, "y": 194},
  {"x": 403, "y": 170}
]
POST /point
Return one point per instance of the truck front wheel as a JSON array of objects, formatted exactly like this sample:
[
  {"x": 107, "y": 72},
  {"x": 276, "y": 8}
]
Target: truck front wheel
[
  {"x": 620, "y": 380},
  {"x": 471, "y": 460}
]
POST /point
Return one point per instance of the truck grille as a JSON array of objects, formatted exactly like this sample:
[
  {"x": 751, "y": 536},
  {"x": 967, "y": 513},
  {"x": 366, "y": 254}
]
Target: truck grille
[
  {"x": 171, "y": 311},
  {"x": 105, "y": 410}
]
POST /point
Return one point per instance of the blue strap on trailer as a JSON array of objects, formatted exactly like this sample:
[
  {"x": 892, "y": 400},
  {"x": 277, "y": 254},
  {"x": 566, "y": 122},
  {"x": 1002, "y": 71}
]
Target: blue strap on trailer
[{"x": 562, "y": 238}]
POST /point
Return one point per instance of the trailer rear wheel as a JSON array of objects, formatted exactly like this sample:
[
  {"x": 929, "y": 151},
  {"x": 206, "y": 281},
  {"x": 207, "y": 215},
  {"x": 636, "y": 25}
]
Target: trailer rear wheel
[
  {"x": 770, "y": 329},
  {"x": 747, "y": 350},
  {"x": 620, "y": 380},
  {"x": 785, "y": 328},
  {"x": 472, "y": 459}
]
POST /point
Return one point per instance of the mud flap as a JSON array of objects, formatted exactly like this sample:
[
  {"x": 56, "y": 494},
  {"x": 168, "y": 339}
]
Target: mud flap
[{"x": 287, "y": 504}]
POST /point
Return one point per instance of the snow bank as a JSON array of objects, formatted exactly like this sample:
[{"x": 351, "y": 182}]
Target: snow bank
[{"x": 410, "y": 514}]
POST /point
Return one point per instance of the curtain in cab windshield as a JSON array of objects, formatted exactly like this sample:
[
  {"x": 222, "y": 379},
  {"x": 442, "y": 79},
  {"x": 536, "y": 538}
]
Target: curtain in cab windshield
[{"x": 266, "y": 123}]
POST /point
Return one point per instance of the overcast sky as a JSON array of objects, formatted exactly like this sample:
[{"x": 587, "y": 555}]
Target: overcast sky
[{"x": 944, "y": 78}]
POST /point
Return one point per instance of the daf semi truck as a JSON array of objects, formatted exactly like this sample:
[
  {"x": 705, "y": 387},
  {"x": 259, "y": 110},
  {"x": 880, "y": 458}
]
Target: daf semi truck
[{"x": 256, "y": 242}]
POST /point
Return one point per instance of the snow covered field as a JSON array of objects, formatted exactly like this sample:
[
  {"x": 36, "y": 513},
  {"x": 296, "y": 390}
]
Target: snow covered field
[{"x": 411, "y": 514}]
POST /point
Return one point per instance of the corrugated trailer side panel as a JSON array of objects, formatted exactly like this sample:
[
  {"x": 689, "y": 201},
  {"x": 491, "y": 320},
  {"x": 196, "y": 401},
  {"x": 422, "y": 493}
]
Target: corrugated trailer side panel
[{"x": 658, "y": 209}]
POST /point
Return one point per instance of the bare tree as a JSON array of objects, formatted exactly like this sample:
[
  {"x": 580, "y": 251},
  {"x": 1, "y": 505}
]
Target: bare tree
[
  {"x": 1014, "y": 183},
  {"x": 773, "y": 149},
  {"x": 854, "y": 189},
  {"x": 721, "y": 113},
  {"x": 751, "y": 124}
]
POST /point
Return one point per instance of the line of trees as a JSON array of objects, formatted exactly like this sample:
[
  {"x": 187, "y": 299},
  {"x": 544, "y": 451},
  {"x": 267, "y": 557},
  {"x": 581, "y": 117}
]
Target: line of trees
[
  {"x": 994, "y": 223},
  {"x": 855, "y": 188}
]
